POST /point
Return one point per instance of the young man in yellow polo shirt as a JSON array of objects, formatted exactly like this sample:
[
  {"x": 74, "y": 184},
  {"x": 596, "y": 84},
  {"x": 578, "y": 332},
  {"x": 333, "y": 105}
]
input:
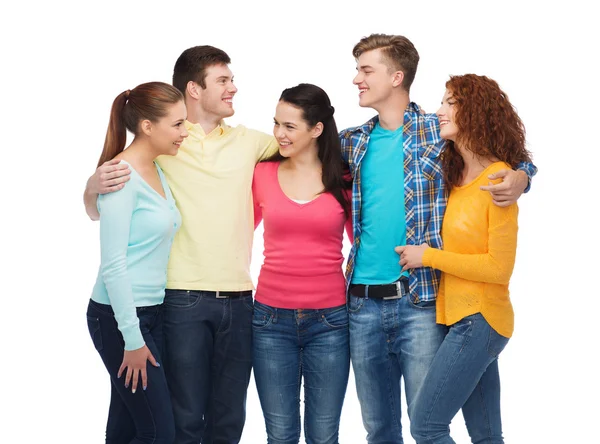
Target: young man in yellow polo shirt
[{"x": 208, "y": 300}]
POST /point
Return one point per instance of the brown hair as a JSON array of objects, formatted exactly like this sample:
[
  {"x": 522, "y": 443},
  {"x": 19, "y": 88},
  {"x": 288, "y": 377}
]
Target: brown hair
[
  {"x": 148, "y": 101},
  {"x": 192, "y": 64},
  {"x": 488, "y": 125},
  {"x": 399, "y": 54}
]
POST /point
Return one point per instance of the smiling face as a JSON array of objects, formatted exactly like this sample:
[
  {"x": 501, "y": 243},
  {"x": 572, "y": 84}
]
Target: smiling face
[
  {"x": 292, "y": 132},
  {"x": 217, "y": 98},
  {"x": 374, "y": 79},
  {"x": 448, "y": 128},
  {"x": 167, "y": 134}
]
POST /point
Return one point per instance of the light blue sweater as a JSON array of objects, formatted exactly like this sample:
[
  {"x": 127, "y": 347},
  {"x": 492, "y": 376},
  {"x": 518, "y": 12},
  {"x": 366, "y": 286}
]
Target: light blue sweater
[{"x": 137, "y": 226}]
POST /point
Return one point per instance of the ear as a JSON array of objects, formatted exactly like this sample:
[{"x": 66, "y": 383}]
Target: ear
[
  {"x": 146, "y": 127},
  {"x": 192, "y": 89},
  {"x": 317, "y": 130},
  {"x": 397, "y": 78}
]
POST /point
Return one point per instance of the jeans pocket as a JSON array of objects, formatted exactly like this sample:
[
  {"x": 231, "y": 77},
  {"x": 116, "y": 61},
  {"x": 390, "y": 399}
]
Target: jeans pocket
[
  {"x": 94, "y": 328},
  {"x": 261, "y": 317},
  {"x": 248, "y": 302},
  {"x": 422, "y": 305},
  {"x": 336, "y": 318},
  {"x": 181, "y": 299},
  {"x": 355, "y": 304}
]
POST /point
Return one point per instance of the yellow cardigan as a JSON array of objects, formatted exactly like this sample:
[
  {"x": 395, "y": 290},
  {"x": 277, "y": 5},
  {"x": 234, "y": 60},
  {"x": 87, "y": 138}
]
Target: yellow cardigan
[{"x": 480, "y": 244}]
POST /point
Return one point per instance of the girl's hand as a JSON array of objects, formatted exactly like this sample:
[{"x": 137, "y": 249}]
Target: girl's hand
[{"x": 135, "y": 363}]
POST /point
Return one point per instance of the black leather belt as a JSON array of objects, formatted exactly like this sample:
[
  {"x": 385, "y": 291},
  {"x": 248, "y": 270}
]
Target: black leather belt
[
  {"x": 384, "y": 291},
  {"x": 228, "y": 294}
]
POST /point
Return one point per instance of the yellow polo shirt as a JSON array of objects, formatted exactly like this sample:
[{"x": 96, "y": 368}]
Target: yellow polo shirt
[{"x": 211, "y": 181}]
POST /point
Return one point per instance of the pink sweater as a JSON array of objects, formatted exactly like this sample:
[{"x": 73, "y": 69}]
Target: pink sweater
[{"x": 303, "y": 246}]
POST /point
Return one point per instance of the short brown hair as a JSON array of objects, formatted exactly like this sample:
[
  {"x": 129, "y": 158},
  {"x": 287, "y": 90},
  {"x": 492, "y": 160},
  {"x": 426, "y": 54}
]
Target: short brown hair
[
  {"x": 192, "y": 64},
  {"x": 399, "y": 54}
]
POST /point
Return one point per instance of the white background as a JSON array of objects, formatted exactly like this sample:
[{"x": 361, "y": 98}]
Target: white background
[{"x": 62, "y": 65}]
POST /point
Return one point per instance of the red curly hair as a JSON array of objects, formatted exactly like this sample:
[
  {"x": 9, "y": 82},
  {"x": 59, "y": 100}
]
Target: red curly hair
[{"x": 488, "y": 125}]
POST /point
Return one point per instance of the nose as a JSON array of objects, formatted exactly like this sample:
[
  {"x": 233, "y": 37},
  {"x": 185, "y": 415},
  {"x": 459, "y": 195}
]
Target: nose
[
  {"x": 184, "y": 133},
  {"x": 232, "y": 88},
  {"x": 357, "y": 79},
  {"x": 278, "y": 132},
  {"x": 439, "y": 112}
]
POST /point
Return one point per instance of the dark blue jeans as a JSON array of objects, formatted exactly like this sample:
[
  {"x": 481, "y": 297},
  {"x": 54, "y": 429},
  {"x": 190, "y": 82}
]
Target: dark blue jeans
[
  {"x": 146, "y": 415},
  {"x": 208, "y": 360},
  {"x": 291, "y": 345}
]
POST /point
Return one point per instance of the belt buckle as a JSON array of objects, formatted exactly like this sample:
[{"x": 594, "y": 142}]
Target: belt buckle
[
  {"x": 218, "y": 296},
  {"x": 398, "y": 291}
]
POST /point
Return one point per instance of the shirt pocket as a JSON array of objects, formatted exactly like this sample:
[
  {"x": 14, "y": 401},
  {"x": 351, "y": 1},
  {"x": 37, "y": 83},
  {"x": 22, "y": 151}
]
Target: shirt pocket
[{"x": 430, "y": 162}]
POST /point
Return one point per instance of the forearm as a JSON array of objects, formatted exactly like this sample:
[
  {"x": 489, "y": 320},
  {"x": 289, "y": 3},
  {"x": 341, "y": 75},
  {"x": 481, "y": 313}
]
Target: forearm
[
  {"x": 474, "y": 267},
  {"x": 89, "y": 200}
]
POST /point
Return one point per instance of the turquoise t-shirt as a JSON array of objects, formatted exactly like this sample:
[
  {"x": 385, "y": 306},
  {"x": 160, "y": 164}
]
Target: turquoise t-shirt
[
  {"x": 137, "y": 226},
  {"x": 383, "y": 218}
]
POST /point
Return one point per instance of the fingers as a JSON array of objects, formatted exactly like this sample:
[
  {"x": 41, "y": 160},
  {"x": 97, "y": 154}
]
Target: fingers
[
  {"x": 152, "y": 360},
  {"x": 502, "y": 186},
  {"x": 144, "y": 379},
  {"x": 399, "y": 249},
  {"x": 111, "y": 162},
  {"x": 128, "y": 376},
  {"x": 120, "y": 372},
  {"x": 134, "y": 385},
  {"x": 503, "y": 203},
  {"x": 498, "y": 175}
]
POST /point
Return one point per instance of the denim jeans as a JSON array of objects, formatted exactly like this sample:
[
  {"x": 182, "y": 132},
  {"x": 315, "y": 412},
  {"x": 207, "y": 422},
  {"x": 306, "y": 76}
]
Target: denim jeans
[
  {"x": 389, "y": 340},
  {"x": 146, "y": 415},
  {"x": 291, "y": 345},
  {"x": 464, "y": 374},
  {"x": 208, "y": 361}
]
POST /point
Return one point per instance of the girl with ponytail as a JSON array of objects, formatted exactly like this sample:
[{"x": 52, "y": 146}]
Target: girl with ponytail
[{"x": 137, "y": 225}]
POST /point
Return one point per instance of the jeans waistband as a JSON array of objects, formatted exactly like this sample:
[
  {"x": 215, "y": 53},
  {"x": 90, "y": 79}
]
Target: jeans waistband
[
  {"x": 218, "y": 294},
  {"x": 395, "y": 290}
]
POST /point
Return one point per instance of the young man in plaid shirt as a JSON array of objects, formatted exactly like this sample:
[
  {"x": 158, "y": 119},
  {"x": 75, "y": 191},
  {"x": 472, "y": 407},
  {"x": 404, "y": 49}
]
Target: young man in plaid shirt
[{"x": 399, "y": 198}]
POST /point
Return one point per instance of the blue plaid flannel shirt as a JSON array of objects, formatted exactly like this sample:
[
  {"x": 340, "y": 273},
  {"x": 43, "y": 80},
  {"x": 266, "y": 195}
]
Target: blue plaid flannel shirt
[{"x": 425, "y": 193}]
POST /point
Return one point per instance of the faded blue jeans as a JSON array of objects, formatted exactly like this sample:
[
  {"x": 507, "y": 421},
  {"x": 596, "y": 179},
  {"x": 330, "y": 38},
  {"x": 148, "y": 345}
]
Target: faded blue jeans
[
  {"x": 464, "y": 374},
  {"x": 291, "y": 345},
  {"x": 389, "y": 340}
]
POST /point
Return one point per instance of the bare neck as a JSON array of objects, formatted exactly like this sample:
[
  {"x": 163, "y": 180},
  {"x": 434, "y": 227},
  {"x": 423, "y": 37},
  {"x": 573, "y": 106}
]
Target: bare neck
[
  {"x": 206, "y": 120},
  {"x": 391, "y": 113}
]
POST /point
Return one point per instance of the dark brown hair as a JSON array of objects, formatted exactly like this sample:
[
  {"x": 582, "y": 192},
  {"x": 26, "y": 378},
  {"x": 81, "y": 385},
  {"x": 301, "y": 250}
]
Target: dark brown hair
[
  {"x": 192, "y": 64},
  {"x": 488, "y": 125},
  {"x": 148, "y": 101},
  {"x": 398, "y": 52},
  {"x": 316, "y": 107}
]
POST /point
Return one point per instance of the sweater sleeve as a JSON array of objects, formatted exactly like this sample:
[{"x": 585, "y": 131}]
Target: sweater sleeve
[
  {"x": 493, "y": 267},
  {"x": 116, "y": 211}
]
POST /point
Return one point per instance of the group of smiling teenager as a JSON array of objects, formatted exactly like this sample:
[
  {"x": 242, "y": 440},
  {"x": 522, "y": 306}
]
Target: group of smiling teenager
[{"x": 427, "y": 200}]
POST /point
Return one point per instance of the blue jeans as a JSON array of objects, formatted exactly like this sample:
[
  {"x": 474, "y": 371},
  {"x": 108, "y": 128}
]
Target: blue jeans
[
  {"x": 208, "y": 361},
  {"x": 293, "y": 344},
  {"x": 464, "y": 374},
  {"x": 146, "y": 415},
  {"x": 389, "y": 340}
]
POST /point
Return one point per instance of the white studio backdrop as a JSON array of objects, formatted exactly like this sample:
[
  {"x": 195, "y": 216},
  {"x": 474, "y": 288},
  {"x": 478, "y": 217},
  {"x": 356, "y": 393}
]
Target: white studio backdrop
[{"x": 64, "y": 62}]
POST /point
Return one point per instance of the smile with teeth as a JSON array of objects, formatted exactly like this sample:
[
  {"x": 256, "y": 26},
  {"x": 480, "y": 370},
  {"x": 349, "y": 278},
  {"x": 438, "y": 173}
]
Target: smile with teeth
[
  {"x": 361, "y": 91},
  {"x": 284, "y": 144},
  {"x": 444, "y": 122}
]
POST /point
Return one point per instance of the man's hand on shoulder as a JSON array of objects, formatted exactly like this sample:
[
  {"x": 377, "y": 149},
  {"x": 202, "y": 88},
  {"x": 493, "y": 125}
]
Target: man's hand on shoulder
[
  {"x": 109, "y": 177},
  {"x": 510, "y": 189}
]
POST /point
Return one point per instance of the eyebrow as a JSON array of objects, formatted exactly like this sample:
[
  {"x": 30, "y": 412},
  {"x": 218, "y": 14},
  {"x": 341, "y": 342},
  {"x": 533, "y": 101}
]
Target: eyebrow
[
  {"x": 364, "y": 67},
  {"x": 283, "y": 123},
  {"x": 224, "y": 78}
]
